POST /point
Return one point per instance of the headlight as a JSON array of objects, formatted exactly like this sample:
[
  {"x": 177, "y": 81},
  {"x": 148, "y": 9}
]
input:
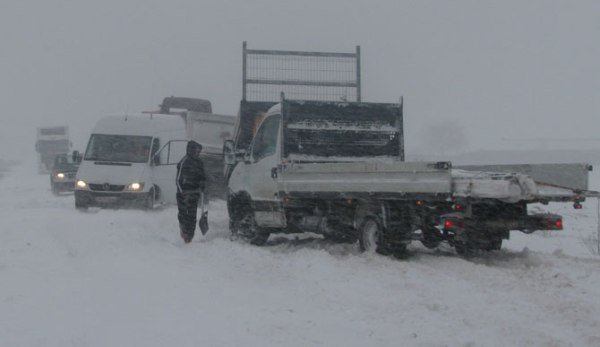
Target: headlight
[
  {"x": 135, "y": 186},
  {"x": 59, "y": 175},
  {"x": 81, "y": 184}
]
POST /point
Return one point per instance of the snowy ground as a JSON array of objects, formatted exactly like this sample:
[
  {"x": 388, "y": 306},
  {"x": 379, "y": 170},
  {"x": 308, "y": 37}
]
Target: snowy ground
[{"x": 124, "y": 278}]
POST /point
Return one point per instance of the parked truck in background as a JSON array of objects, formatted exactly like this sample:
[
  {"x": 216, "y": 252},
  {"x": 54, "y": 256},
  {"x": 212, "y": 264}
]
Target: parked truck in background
[
  {"x": 337, "y": 168},
  {"x": 50, "y": 142}
]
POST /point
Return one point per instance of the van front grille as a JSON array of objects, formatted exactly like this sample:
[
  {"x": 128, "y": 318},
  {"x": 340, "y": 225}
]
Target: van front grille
[{"x": 107, "y": 187}]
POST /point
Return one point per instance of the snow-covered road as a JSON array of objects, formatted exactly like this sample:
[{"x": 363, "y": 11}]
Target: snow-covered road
[{"x": 124, "y": 278}]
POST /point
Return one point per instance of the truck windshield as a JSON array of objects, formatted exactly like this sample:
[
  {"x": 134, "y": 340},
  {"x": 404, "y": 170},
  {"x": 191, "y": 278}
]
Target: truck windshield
[{"x": 120, "y": 148}]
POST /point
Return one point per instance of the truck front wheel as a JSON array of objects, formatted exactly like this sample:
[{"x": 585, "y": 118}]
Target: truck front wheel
[{"x": 246, "y": 228}]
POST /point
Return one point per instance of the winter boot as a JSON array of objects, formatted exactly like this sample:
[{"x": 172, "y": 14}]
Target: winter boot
[{"x": 185, "y": 235}]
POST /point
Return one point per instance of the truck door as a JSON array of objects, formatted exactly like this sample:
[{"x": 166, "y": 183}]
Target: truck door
[
  {"x": 262, "y": 186},
  {"x": 164, "y": 168}
]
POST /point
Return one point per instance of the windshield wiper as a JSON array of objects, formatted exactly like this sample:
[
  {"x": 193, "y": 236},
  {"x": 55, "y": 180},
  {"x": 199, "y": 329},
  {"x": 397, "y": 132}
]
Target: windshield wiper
[{"x": 118, "y": 163}]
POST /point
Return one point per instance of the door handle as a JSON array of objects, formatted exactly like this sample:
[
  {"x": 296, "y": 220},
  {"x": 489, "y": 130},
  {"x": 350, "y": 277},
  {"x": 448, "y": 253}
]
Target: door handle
[{"x": 274, "y": 173}]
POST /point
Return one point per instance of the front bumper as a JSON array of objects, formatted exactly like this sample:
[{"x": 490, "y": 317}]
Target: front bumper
[
  {"x": 63, "y": 186},
  {"x": 110, "y": 199}
]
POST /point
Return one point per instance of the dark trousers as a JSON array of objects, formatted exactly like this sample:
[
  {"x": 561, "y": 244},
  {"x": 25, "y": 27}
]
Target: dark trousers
[{"x": 187, "y": 203}]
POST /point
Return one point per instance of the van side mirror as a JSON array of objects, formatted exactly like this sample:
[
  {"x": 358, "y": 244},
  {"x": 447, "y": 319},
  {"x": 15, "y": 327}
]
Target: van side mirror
[{"x": 155, "y": 159}]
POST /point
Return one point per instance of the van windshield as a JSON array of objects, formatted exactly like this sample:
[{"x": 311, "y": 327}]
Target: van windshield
[{"x": 120, "y": 148}]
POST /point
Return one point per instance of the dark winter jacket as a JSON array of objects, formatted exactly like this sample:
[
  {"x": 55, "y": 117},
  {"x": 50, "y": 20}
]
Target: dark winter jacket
[{"x": 190, "y": 171}]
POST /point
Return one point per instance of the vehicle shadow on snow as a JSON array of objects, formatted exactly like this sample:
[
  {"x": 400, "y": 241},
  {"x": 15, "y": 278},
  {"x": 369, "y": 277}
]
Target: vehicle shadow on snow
[
  {"x": 415, "y": 252},
  {"x": 298, "y": 242},
  {"x": 497, "y": 258}
]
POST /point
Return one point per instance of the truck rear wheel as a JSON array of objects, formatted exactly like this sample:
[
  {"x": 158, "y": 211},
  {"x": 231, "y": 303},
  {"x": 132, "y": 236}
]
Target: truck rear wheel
[
  {"x": 371, "y": 239},
  {"x": 370, "y": 236},
  {"x": 431, "y": 236},
  {"x": 494, "y": 244},
  {"x": 465, "y": 248}
]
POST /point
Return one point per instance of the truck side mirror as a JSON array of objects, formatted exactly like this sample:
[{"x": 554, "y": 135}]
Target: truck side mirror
[
  {"x": 247, "y": 157},
  {"x": 229, "y": 156}
]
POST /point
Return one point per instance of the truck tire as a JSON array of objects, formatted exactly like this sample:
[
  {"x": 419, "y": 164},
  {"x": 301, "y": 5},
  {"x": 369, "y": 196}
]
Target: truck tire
[
  {"x": 370, "y": 236},
  {"x": 372, "y": 240},
  {"x": 464, "y": 248},
  {"x": 494, "y": 244},
  {"x": 246, "y": 228},
  {"x": 431, "y": 236}
]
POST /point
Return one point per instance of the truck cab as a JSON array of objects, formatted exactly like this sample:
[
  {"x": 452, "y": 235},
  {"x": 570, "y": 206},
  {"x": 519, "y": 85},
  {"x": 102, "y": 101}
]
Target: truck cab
[
  {"x": 253, "y": 176},
  {"x": 327, "y": 168}
]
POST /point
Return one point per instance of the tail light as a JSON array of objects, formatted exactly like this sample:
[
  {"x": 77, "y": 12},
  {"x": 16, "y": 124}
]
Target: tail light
[
  {"x": 577, "y": 205},
  {"x": 556, "y": 224},
  {"x": 451, "y": 223},
  {"x": 457, "y": 206}
]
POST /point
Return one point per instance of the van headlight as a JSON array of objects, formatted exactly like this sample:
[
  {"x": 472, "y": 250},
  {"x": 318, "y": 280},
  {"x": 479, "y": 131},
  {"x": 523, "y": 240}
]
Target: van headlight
[
  {"x": 80, "y": 184},
  {"x": 135, "y": 186},
  {"x": 59, "y": 175}
]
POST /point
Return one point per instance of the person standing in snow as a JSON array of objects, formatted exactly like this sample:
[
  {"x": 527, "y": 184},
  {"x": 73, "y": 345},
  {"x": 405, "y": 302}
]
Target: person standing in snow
[{"x": 191, "y": 181}]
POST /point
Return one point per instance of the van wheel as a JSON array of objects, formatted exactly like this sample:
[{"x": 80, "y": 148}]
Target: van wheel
[
  {"x": 247, "y": 229},
  {"x": 150, "y": 199},
  {"x": 370, "y": 236},
  {"x": 80, "y": 205}
]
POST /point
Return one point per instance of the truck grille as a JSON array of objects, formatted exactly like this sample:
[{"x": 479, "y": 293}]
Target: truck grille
[{"x": 107, "y": 187}]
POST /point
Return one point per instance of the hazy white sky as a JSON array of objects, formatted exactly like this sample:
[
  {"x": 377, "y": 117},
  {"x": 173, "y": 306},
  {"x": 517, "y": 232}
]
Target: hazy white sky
[{"x": 498, "y": 69}]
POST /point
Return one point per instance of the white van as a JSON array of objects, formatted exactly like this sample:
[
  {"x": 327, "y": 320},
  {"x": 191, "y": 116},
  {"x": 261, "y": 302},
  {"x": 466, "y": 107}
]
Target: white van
[{"x": 131, "y": 161}]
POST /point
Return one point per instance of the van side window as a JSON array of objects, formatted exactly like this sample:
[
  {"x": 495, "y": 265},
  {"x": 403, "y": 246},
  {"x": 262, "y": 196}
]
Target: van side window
[
  {"x": 265, "y": 141},
  {"x": 171, "y": 152}
]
